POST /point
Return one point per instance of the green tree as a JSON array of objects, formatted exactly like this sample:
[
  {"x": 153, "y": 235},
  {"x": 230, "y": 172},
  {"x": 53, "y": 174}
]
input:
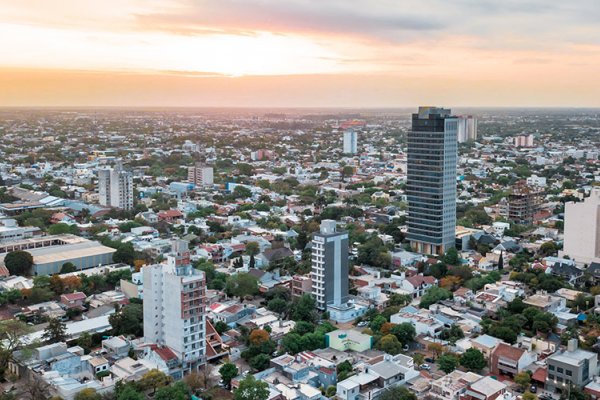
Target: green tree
[
  {"x": 85, "y": 341},
  {"x": 241, "y": 284},
  {"x": 177, "y": 391},
  {"x": 19, "y": 262},
  {"x": 251, "y": 389},
  {"x": 228, "y": 371},
  {"x": 303, "y": 309},
  {"x": 55, "y": 332},
  {"x": 125, "y": 254},
  {"x": 390, "y": 344},
  {"x": 448, "y": 362},
  {"x": 451, "y": 256},
  {"x": 405, "y": 332},
  {"x": 67, "y": 267},
  {"x": 252, "y": 248},
  {"x": 433, "y": 295},
  {"x": 473, "y": 360},
  {"x": 61, "y": 229},
  {"x": 377, "y": 322},
  {"x": 397, "y": 393},
  {"x": 260, "y": 362},
  {"x": 128, "y": 320},
  {"x": 88, "y": 394},
  {"x": 523, "y": 379},
  {"x": 277, "y": 305},
  {"x": 529, "y": 396}
]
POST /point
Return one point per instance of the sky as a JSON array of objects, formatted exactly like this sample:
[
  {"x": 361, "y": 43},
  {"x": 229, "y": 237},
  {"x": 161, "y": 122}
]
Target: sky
[{"x": 300, "y": 53}]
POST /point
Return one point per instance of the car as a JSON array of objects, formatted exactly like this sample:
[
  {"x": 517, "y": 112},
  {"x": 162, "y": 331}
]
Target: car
[
  {"x": 362, "y": 324},
  {"x": 533, "y": 389},
  {"x": 429, "y": 359},
  {"x": 426, "y": 367},
  {"x": 405, "y": 347}
]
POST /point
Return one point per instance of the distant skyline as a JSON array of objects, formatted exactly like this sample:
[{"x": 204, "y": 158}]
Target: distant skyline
[{"x": 300, "y": 53}]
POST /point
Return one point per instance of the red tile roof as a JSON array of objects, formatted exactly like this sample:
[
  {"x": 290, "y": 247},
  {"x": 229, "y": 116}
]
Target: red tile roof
[{"x": 508, "y": 351}]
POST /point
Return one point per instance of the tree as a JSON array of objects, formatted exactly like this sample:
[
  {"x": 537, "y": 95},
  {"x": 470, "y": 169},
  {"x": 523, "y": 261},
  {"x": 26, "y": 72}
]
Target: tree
[
  {"x": 377, "y": 323},
  {"x": 61, "y": 229},
  {"x": 251, "y": 389},
  {"x": 127, "y": 391},
  {"x": 85, "y": 341},
  {"x": 448, "y": 362},
  {"x": 128, "y": 320},
  {"x": 436, "y": 349},
  {"x": 154, "y": 379},
  {"x": 11, "y": 335},
  {"x": 252, "y": 248},
  {"x": 451, "y": 257},
  {"x": 55, "y": 332},
  {"x": 88, "y": 394},
  {"x": 473, "y": 360},
  {"x": 397, "y": 393},
  {"x": 304, "y": 309},
  {"x": 260, "y": 362},
  {"x": 124, "y": 254},
  {"x": 19, "y": 262},
  {"x": 523, "y": 379},
  {"x": 202, "y": 379},
  {"x": 277, "y": 305},
  {"x": 405, "y": 332},
  {"x": 177, "y": 391},
  {"x": 390, "y": 344},
  {"x": 399, "y": 299},
  {"x": 258, "y": 337},
  {"x": 228, "y": 371},
  {"x": 418, "y": 359},
  {"x": 529, "y": 396},
  {"x": 241, "y": 284},
  {"x": 67, "y": 267},
  {"x": 433, "y": 295}
]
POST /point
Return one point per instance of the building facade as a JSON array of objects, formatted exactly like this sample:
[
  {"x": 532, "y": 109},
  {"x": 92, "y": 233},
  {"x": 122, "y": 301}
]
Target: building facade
[
  {"x": 431, "y": 180},
  {"x": 115, "y": 187},
  {"x": 201, "y": 175},
  {"x": 350, "y": 141},
  {"x": 174, "y": 307},
  {"x": 329, "y": 266},
  {"x": 582, "y": 229},
  {"x": 573, "y": 367},
  {"x": 467, "y": 128}
]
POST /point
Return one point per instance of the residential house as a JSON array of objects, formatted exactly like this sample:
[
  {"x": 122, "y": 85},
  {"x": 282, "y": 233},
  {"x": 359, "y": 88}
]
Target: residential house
[{"x": 509, "y": 360}]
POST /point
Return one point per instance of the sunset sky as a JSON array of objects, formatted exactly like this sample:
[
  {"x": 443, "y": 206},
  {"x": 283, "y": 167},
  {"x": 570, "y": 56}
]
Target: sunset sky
[{"x": 338, "y": 53}]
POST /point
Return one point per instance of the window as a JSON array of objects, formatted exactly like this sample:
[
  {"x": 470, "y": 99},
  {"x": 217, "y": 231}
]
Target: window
[
  {"x": 551, "y": 367},
  {"x": 569, "y": 372},
  {"x": 559, "y": 370}
]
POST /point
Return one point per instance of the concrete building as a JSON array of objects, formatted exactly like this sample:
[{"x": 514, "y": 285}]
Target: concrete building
[
  {"x": 51, "y": 252},
  {"x": 524, "y": 141},
  {"x": 431, "y": 180},
  {"x": 201, "y": 175},
  {"x": 348, "y": 340},
  {"x": 582, "y": 229},
  {"x": 571, "y": 367},
  {"x": 115, "y": 187},
  {"x": 522, "y": 204},
  {"x": 174, "y": 307},
  {"x": 350, "y": 141},
  {"x": 467, "y": 128},
  {"x": 329, "y": 266}
]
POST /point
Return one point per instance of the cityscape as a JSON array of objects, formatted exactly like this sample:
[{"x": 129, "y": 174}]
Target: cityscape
[{"x": 279, "y": 226}]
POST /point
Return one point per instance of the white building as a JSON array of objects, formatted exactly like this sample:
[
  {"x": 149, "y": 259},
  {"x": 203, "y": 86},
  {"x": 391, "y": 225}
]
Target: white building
[
  {"x": 467, "y": 128},
  {"x": 350, "y": 141},
  {"x": 174, "y": 307},
  {"x": 115, "y": 187},
  {"x": 201, "y": 175},
  {"x": 523, "y": 141},
  {"x": 582, "y": 229}
]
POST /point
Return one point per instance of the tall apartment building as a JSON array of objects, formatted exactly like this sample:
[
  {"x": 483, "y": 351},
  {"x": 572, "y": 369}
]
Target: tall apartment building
[
  {"x": 582, "y": 229},
  {"x": 467, "y": 128},
  {"x": 350, "y": 141},
  {"x": 329, "y": 266},
  {"x": 174, "y": 307},
  {"x": 115, "y": 187},
  {"x": 431, "y": 180},
  {"x": 201, "y": 175},
  {"x": 523, "y": 141}
]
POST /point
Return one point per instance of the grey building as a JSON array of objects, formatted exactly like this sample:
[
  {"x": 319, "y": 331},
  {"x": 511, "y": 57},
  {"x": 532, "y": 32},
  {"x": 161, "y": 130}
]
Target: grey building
[
  {"x": 572, "y": 367},
  {"x": 329, "y": 266},
  {"x": 431, "y": 180}
]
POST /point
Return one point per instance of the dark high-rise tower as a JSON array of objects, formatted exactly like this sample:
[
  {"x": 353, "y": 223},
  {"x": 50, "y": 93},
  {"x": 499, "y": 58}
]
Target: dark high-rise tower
[{"x": 431, "y": 181}]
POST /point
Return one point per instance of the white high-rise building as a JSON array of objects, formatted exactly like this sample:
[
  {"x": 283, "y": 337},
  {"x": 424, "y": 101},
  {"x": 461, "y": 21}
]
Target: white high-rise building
[
  {"x": 115, "y": 187},
  {"x": 330, "y": 266},
  {"x": 582, "y": 229},
  {"x": 467, "y": 128},
  {"x": 174, "y": 307},
  {"x": 350, "y": 141},
  {"x": 201, "y": 175}
]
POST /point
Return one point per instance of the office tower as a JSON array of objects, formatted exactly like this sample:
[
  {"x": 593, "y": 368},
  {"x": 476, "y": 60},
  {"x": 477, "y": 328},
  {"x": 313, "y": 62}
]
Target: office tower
[
  {"x": 115, "y": 187},
  {"x": 350, "y": 141},
  {"x": 200, "y": 175},
  {"x": 431, "y": 180},
  {"x": 582, "y": 229},
  {"x": 330, "y": 266},
  {"x": 174, "y": 307},
  {"x": 467, "y": 128}
]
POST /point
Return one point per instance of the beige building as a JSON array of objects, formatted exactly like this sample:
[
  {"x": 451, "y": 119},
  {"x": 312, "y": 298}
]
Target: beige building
[{"x": 582, "y": 229}]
